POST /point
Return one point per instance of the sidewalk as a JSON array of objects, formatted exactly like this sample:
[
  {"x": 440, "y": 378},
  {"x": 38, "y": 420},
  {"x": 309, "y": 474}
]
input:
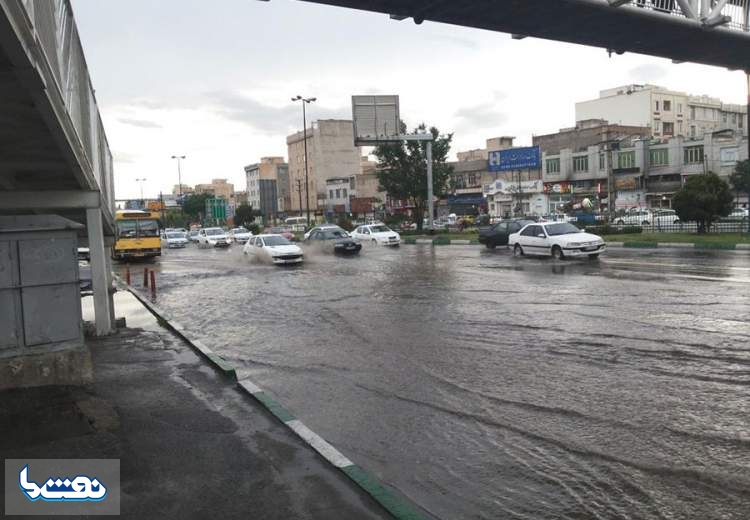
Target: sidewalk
[{"x": 191, "y": 445}]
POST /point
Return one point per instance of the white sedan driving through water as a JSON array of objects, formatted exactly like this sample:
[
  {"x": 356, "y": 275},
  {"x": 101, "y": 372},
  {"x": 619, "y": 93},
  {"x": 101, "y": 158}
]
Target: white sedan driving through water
[
  {"x": 377, "y": 233},
  {"x": 274, "y": 249},
  {"x": 558, "y": 239}
]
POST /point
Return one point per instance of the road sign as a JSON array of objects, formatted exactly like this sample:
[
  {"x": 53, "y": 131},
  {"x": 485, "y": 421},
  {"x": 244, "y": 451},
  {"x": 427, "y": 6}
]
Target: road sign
[{"x": 376, "y": 120}]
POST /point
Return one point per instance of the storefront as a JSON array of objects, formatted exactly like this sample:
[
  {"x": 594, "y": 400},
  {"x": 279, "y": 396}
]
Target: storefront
[{"x": 505, "y": 199}]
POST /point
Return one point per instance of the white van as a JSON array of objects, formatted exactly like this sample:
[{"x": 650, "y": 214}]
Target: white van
[{"x": 297, "y": 224}]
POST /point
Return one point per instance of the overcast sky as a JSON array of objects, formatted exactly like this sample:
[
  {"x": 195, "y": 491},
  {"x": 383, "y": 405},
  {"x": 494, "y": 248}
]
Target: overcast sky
[{"x": 213, "y": 80}]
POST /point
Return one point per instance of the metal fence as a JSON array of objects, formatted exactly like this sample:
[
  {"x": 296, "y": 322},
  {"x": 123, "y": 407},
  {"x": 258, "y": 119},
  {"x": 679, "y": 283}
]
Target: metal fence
[
  {"x": 721, "y": 226},
  {"x": 59, "y": 41},
  {"x": 736, "y": 10}
]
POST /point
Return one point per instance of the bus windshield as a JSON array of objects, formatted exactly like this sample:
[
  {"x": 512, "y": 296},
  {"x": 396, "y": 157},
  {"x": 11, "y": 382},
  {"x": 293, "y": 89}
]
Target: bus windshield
[{"x": 137, "y": 228}]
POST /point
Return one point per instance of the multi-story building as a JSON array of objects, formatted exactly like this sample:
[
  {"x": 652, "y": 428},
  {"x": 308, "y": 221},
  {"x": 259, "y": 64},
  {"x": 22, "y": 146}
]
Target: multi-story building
[
  {"x": 643, "y": 172},
  {"x": 591, "y": 132},
  {"x": 339, "y": 192},
  {"x": 262, "y": 185},
  {"x": 219, "y": 188},
  {"x": 182, "y": 188},
  {"x": 666, "y": 112},
  {"x": 330, "y": 154}
]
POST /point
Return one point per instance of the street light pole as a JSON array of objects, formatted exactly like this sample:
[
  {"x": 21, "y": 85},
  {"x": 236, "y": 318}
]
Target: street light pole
[
  {"x": 141, "y": 181},
  {"x": 304, "y": 138},
  {"x": 179, "y": 177}
]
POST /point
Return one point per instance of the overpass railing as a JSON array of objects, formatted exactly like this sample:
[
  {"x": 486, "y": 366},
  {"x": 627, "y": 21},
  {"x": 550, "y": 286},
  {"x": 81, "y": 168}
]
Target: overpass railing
[
  {"x": 727, "y": 13},
  {"x": 57, "y": 35}
]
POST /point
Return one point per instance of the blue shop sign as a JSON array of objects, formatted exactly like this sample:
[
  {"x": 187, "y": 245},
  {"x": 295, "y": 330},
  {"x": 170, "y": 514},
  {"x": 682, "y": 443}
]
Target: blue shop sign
[{"x": 514, "y": 159}]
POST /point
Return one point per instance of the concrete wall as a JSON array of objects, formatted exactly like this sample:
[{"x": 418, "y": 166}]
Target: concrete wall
[{"x": 633, "y": 109}]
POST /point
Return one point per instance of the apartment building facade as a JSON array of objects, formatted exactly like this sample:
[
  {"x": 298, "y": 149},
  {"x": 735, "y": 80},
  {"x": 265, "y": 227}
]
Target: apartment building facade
[
  {"x": 666, "y": 112},
  {"x": 330, "y": 154},
  {"x": 262, "y": 185}
]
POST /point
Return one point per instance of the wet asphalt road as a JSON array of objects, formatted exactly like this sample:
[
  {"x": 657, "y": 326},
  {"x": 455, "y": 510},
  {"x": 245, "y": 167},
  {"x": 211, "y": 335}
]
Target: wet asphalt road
[{"x": 484, "y": 386}]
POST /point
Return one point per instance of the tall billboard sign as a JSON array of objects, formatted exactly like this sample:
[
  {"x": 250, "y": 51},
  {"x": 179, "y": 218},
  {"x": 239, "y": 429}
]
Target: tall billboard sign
[
  {"x": 376, "y": 120},
  {"x": 514, "y": 159}
]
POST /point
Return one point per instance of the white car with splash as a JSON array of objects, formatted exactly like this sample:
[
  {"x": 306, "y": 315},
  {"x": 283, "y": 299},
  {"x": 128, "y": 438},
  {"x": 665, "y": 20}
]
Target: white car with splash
[
  {"x": 274, "y": 249},
  {"x": 377, "y": 233},
  {"x": 213, "y": 237},
  {"x": 556, "y": 239}
]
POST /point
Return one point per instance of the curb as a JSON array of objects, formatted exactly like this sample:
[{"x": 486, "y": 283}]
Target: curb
[{"x": 398, "y": 507}]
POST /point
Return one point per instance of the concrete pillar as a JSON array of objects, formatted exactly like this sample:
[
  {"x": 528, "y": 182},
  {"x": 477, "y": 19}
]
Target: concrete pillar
[
  {"x": 108, "y": 243},
  {"x": 100, "y": 275}
]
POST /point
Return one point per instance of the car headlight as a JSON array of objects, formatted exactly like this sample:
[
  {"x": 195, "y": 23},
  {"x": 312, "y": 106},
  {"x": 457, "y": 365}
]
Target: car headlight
[{"x": 575, "y": 244}]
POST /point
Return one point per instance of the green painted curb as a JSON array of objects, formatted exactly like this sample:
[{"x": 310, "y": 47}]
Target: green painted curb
[
  {"x": 221, "y": 363},
  {"x": 274, "y": 407},
  {"x": 717, "y": 245},
  {"x": 641, "y": 244},
  {"x": 394, "y": 504}
]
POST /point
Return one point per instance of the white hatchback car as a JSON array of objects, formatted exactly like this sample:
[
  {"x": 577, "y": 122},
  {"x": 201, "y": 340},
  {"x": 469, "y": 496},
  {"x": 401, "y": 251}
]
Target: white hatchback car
[
  {"x": 213, "y": 237},
  {"x": 559, "y": 239},
  {"x": 275, "y": 249},
  {"x": 240, "y": 235},
  {"x": 377, "y": 233}
]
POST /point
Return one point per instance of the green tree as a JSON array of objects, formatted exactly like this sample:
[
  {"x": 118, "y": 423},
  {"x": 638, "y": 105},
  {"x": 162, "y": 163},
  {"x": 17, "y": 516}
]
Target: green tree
[
  {"x": 244, "y": 215},
  {"x": 194, "y": 206},
  {"x": 740, "y": 178},
  {"x": 402, "y": 169},
  {"x": 703, "y": 199}
]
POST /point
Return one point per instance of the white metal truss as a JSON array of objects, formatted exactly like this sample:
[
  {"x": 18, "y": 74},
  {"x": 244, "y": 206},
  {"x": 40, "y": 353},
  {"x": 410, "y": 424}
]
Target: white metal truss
[{"x": 732, "y": 14}]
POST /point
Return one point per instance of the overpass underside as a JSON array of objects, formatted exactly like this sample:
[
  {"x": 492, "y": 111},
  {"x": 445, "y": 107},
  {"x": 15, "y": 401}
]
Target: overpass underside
[{"x": 638, "y": 26}]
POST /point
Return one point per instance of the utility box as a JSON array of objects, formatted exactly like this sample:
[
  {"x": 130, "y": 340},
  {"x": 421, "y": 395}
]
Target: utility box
[{"x": 41, "y": 333}]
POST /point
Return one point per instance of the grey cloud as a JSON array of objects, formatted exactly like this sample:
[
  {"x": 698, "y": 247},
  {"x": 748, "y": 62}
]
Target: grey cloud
[
  {"x": 454, "y": 40},
  {"x": 483, "y": 115},
  {"x": 648, "y": 72},
  {"x": 269, "y": 118},
  {"x": 142, "y": 123},
  {"x": 124, "y": 157}
]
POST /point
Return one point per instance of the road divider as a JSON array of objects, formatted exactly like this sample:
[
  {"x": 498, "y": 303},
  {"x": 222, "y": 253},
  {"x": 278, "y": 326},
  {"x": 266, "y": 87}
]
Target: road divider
[{"x": 399, "y": 507}]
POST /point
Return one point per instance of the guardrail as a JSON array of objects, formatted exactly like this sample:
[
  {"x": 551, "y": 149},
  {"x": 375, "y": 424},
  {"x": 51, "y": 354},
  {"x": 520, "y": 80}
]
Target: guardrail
[
  {"x": 721, "y": 226},
  {"x": 728, "y": 13},
  {"x": 56, "y": 35}
]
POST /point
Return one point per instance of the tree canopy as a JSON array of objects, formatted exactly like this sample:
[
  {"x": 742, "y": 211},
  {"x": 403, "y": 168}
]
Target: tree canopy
[
  {"x": 402, "y": 169},
  {"x": 740, "y": 178},
  {"x": 195, "y": 205},
  {"x": 703, "y": 199},
  {"x": 244, "y": 215}
]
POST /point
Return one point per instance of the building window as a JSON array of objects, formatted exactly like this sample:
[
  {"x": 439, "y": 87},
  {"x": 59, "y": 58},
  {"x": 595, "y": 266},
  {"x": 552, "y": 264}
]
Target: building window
[
  {"x": 343, "y": 192},
  {"x": 656, "y": 126},
  {"x": 553, "y": 165},
  {"x": 626, "y": 160},
  {"x": 679, "y": 108},
  {"x": 330, "y": 194},
  {"x": 472, "y": 179},
  {"x": 602, "y": 162},
  {"x": 351, "y": 183},
  {"x": 667, "y": 106},
  {"x": 667, "y": 128},
  {"x": 739, "y": 121},
  {"x": 581, "y": 163},
  {"x": 692, "y": 112},
  {"x": 692, "y": 130},
  {"x": 657, "y": 106},
  {"x": 724, "y": 117},
  {"x": 658, "y": 157},
  {"x": 338, "y": 194},
  {"x": 734, "y": 119},
  {"x": 694, "y": 154}
]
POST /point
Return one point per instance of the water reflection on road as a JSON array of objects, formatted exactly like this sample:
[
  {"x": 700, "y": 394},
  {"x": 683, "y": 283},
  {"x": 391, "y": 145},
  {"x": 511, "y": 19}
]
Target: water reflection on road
[{"x": 484, "y": 386}]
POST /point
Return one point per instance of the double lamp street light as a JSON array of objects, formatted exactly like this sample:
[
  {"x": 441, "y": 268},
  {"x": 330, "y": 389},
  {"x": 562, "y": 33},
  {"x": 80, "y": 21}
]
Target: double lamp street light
[{"x": 305, "y": 101}]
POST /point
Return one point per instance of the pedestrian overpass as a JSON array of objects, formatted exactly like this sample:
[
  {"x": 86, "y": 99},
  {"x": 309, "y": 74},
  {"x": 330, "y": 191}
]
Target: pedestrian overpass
[
  {"x": 712, "y": 32},
  {"x": 54, "y": 155}
]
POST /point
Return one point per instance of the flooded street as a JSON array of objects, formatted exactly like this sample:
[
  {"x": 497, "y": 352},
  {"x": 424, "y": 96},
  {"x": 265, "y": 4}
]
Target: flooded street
[{"x": 484, "y": 386}]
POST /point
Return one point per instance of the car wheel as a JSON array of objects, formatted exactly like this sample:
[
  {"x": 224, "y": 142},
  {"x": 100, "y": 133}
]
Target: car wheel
[
  {"x": 517, "y": 250},
  {"x": 593, "y": 256},
  {"x": 557, "y": 253},
  {"x": 490, "y": 245}
]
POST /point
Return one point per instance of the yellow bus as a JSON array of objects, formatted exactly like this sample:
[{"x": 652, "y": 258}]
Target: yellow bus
[{"x": 137, "y": 234}]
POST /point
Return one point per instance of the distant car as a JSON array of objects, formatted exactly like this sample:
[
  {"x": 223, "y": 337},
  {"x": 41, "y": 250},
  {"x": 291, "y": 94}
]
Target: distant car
[
  {"x": 647, "y": 217},
  {"x": 333, "y": 239},
  {"x": 240, "y": 235},
  {"x": 285, "y": 232},
  {"x": 213, "y": 237},
  {"x": 192, "y": 235},
  {"x": 737, "y": 214},
  {"x": 84, "y": 277},
  {"x": 497, "y": 234},
  {"x": 377, "y": 233},
  {"x": 174, "y": 239},
  {"x": 273, "y": 248},
  {"x": 558, "y": 239}
]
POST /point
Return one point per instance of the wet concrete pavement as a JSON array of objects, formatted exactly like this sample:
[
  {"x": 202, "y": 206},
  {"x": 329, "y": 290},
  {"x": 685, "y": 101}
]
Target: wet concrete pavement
[
  {"x": 484, "y": 386},
  {"x": 190, "y": 444}
]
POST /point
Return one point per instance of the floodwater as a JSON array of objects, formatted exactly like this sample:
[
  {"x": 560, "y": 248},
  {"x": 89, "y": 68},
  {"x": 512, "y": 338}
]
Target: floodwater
[{"x": 484, "y": 386}]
